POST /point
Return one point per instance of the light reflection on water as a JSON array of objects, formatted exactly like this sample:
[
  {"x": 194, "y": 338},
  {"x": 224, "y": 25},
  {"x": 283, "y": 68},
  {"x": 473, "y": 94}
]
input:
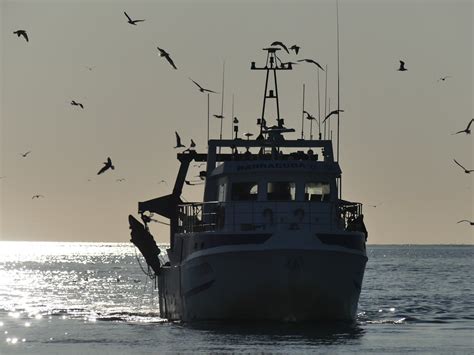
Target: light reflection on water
[{"x": 70, "y": 294}]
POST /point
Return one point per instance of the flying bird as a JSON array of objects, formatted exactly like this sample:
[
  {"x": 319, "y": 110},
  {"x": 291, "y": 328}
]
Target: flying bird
[
  {"x": 178, "y": 141},
  {"x": 465, "y": 170},
  {"x": 165, "y": 54},
  {"x": 162, "y": 182},
  {"x": 295, "y": 48},
  {"x": 120, "y": 180},
  {"x": 201, "y": 89},
  {"x": 219, "y": 116},
  {"x": 107, "y": 165},
  {"x": 309, "y": 116},
  {"x": 24, "y": 155},
  {"x": 130, "y": 21},
  {"x": 402, "y": 66},
  {"x": 465, "y": 220},
  {"x": 468, "y": 128},
  {"x": 332, "y": 113},
  {"x": 74, "y": 103},
  {"x": 280, "y": 44},
  {"x": 443, "y": 78},
  {"x": 311, "y": 61},
  {"x": 23, "y": 33},
  {"x": 37, "y": 196}
]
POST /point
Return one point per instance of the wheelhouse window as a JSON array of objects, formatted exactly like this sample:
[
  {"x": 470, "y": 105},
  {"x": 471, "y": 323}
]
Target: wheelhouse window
[
  {"x": 281, "y": 191},
  {"x": 244, "y": 191},
  {"x": 317, "y": 191}
]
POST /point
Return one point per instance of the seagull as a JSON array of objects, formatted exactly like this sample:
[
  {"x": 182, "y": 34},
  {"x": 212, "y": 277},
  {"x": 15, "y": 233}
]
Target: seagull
[
  {"x": 162, "y": 182},
  {"x": 24, "y": 155},
  {"x": 309, "y": 116},
  {"x": 201, "y": 89},
  {"x": 37, "y": 196},
  {"x": 375, "y": 206},
  {"x": 465, "y": 220},
  {"x": 332, "y": 113},
  {"x": 465, "y": 170},
  {"x": 311, "y": 61},
  {"x": 107, "y": 165},
  {"x": 402, "y": 66},
  {"x": 468, "y": 129},
  {"x": 277, "y": 43},
  {"x": 295, "y": 48},
  {"x": 219, "y": 116},
  {"x": 74, "y": 103},
  {"x": 23, "y": 33},
  {"x": 130, "y": 21},
  {"x": 120, "y": 180},
  {"x": 178, "y": 141},
  {"x": 165, "y": 54},
  {"x": 443, "y": 78}
]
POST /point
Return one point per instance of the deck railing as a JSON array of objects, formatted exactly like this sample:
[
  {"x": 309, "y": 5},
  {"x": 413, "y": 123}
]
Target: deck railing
[{"x": 266, "y": 215}]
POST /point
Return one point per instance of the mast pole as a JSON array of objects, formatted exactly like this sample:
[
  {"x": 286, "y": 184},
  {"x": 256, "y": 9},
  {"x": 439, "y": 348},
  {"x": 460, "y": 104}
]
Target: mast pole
[
  {"x": 302, "y": 116},
  {"x": 338, "y": 81},
  {"x": 208, "y": 115}
]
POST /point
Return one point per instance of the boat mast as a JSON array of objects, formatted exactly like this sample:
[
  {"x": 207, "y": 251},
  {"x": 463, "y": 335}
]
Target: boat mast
[{"x": 273, "y": 64}]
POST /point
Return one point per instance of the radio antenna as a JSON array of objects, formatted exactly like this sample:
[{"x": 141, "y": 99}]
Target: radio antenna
[
  {"x": 319, "y": 111},
  {"x": 302, "y": 117},
  {"x": 222, "y": 98},
  {"x": 338, "y": 81},
  {"x": 325, "y": 99}
]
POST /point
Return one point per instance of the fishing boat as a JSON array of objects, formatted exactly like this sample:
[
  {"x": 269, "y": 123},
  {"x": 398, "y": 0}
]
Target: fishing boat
[{"x": 272, "y": 238}]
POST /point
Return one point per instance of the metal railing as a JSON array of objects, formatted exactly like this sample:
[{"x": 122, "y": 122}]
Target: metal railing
[{"x": 246, "y": 216}]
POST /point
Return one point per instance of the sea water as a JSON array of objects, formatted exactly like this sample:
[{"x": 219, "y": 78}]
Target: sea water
[{"x": 94, "y": 298}]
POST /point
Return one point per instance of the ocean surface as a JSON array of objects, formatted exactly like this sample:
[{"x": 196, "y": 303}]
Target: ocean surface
[{"x": 89, "y": 298}]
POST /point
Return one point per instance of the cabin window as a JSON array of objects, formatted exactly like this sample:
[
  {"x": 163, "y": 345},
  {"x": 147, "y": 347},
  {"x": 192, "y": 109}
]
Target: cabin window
[
  {"x": 317, "y": 191},
  {"x": 244, "y": 191},
  {"x": 281, "y": 191},
  {"x": 221, "y": 193}
]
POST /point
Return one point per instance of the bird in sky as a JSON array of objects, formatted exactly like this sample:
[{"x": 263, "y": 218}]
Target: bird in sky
[
  {"x": 74, "y": 103},
  {"x": 376, "y": 205},
  {"x": 201, "y": 89},
  {"x": 402, "y": 66},
  {"x": 307, "y": 60},
  {"x": 280, "y": 44},
  {"x": 309, "y": 116},
  {"x": 219, "y": 116},
  {"x": 332, "y": 113},
  {"x": 443, "y": 78},
  {"x": 468, "y": 128},
  {"x": 178, "y": 141},
  {"x": 162, "y": 182},
  {"x": 24, "y": 155},
  {"x": 465, "y": 170},
  {"x": 23, "y": 33},
  {"x": 120, "y": 180},
  {"x": 295, "y": 48},
  {"x": 465, "y": 220},
  {"x": 130, "y": 21},
  {"x": 165, "y": 54},
  {"x": 37, "y": 196},
  {"x": 107, "y": 165}
]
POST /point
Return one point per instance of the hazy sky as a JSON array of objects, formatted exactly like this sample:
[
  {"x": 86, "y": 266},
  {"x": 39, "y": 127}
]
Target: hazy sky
[{"x": 396, "y": 142}]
